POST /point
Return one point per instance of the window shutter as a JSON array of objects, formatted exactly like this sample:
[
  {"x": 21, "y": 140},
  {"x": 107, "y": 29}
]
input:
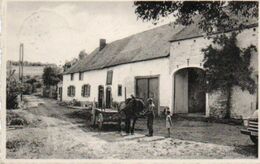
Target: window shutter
[
  {"x": 68, "y": 91},
  {"x": 73, "y": 90},
  {"x": 82, "y": 90},
  {"x": 88, "y": 90},
  {"x": 119, "y": 90}
]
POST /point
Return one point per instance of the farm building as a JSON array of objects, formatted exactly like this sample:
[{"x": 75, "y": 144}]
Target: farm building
[{"x": 163, "y": 63}]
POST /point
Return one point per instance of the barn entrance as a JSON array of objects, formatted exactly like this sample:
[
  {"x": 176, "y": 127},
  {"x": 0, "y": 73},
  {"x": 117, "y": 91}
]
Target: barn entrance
[
  {"x": 189, "y": 91},
  {"x": 148, "y": 87}
]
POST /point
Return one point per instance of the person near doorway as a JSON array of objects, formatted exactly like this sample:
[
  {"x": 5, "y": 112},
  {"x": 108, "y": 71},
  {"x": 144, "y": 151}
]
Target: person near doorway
[
  {"x": 150, "y": 116},
  {"x": 168, "y": 122}
]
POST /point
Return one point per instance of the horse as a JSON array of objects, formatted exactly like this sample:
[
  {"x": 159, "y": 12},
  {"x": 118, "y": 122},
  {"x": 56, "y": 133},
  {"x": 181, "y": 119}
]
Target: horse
[{"x": 130, "y": 109}]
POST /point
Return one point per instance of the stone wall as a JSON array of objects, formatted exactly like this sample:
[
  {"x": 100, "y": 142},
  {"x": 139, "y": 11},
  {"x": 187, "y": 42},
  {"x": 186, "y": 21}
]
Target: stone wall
[{"x": 217, "y": 104}]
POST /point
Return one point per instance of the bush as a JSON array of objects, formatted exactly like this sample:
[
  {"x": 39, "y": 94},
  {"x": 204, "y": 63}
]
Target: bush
[
  {"x": 12, "y": 92},
  {"x": 27, "y": 89},
  {"x": 38, "y": 85},
  {"x": 17, "y": 121},
  {"x": 76, "y": 102}
]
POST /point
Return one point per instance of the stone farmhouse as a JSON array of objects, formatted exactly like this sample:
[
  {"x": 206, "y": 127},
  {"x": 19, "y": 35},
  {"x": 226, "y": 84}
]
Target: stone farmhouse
[{"x": 164, "y": 63}]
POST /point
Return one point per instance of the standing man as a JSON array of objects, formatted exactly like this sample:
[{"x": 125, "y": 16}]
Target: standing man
[{"x": 150, "y": 116}]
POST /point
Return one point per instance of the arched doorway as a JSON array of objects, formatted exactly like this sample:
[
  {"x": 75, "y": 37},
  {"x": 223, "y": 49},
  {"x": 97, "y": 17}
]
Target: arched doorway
[{"x": 189, "y": 91}]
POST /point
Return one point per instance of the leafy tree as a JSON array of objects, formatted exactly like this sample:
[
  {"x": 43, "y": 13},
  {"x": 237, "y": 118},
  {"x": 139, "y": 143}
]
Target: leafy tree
[
  {"x": 50, "y": 76},
  {"x": 227, "y": 66},
  {"x": 220, "y": 14}
]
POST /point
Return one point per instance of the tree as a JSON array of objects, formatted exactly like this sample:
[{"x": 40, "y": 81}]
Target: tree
[
  {"x": 222, "y": 15},
  {"x": 227, "y": 65},
  {"x": 50, "y": 76}
]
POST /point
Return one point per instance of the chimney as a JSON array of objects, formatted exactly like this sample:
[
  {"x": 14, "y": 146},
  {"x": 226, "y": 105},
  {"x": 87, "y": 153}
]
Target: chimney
[
  {"x": 82, "y": 54},
  {"x": 102, "y": 44}
]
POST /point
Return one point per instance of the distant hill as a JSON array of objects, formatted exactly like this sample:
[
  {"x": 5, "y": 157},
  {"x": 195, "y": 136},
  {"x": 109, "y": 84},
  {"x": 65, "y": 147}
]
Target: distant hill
[
  {"x": 26, "y": 63},
  {"x": 29, "y": 69}
]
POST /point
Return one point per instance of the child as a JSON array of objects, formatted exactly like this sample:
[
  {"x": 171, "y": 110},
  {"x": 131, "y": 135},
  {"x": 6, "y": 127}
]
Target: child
[{"x": 168, "y": 122}]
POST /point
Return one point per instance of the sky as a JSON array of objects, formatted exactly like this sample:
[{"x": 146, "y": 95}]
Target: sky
[{"x": 55, "y": 32}]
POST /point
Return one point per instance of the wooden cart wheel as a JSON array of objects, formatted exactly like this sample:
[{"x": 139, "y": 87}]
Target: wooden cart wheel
[{"x": 100, "y": 121}]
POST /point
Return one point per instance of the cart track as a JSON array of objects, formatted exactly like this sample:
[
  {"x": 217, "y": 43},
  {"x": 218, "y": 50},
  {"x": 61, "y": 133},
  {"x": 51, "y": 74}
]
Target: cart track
[{"x": 58, "y": 136}]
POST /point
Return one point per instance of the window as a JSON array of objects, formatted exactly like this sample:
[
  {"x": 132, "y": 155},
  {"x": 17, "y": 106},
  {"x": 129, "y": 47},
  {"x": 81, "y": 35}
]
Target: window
[
  {"x": 85, "y": 90},
  {"x": 71, "y": 91},
  {"x": 119, "y": 90},
  {"x": 60, "y": 90},
  {"x": 81, "y": 76},
  {"x": 109, "y": 77},
  {"x": 72, "y": 76}
]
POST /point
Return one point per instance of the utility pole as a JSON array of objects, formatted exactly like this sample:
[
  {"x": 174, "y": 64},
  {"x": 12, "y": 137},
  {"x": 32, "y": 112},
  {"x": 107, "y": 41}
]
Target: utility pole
[{"x": 21, "y": 56}]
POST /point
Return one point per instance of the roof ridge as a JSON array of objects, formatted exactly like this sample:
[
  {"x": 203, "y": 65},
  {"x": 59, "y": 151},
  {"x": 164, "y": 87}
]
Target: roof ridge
[{"x": 138, "y": 33}]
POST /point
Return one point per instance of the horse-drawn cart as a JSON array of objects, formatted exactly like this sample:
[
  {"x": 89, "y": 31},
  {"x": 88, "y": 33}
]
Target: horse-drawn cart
[
  {"x": 125, "y": 112},
  {"x": 103, "y": 116}
]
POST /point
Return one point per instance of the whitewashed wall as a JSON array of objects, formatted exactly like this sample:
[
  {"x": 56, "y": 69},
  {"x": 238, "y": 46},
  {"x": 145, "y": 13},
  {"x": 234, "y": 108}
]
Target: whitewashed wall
[{"x": 125, "y": 76}]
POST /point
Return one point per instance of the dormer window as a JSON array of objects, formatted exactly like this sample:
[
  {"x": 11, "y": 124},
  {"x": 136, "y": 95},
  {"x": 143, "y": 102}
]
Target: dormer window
[
  {"x": 109, "y": 77},
  {"x": 81, "y": 76},
  {"x": 72, "y": 76}
]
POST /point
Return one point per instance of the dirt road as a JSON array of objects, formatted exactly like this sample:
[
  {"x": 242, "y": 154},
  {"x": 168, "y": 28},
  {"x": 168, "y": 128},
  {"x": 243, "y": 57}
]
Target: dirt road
[{"x": 55, "y": 132}]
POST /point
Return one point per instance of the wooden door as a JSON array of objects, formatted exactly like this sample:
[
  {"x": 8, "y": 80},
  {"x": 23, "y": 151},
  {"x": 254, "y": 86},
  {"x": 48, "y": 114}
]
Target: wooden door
[
  {"x": 142, "y": 89},
  {"x": 108, "y": 97},
  {"x": 196, "y": 93},
  {"x": 148, "y": 88},
  {"x": 100, "y": 96},
  {"x": 181, "y": 91}
]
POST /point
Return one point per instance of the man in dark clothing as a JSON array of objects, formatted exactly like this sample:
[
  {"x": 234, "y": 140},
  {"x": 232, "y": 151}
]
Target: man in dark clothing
[{"x": 150, "y": 116}]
